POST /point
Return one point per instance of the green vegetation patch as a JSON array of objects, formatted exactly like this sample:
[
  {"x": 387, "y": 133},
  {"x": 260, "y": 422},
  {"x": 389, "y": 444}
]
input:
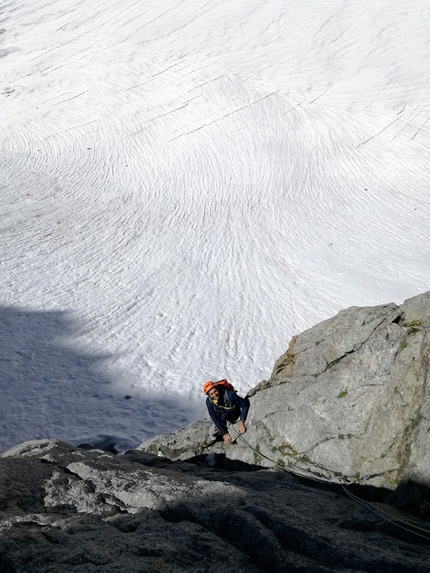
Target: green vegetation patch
[
  {"x": 414, "y": 323},
  {"x": 343, "y": 394},
  {"x": 256, "y": 454},
  {"x": 287, "y": 450},
  {"x": 392, "y": 480}
]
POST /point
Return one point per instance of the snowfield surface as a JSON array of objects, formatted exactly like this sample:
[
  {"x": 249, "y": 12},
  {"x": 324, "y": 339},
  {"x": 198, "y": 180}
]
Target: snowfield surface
[{"x": 187, "y": 184}]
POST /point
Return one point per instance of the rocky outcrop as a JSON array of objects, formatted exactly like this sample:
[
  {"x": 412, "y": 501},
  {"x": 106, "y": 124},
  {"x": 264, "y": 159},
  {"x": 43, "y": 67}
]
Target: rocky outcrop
[
  {"x": 348, "y": 402},
  {"x": 68, "y": 510}
]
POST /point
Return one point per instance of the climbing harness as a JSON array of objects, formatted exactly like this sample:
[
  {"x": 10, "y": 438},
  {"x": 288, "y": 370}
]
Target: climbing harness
[
  {"x": 232, "y": 410},
  {"x": 216, "y": 405}
]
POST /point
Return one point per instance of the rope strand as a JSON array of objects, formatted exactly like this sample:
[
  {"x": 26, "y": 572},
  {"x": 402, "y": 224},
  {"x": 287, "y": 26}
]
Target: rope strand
[{"x": 393, "y": 520}]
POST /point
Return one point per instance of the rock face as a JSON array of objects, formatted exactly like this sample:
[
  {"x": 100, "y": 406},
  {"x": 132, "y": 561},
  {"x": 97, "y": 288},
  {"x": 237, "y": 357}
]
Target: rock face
[
  {"x": 349, "y": 401},
  {"x": 69, "y": 510}
]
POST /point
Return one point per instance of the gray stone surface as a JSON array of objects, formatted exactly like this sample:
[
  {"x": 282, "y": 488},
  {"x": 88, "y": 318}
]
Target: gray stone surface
[
  {"x": 69, "y": 510},
  {"x": 349, "y": 401}
]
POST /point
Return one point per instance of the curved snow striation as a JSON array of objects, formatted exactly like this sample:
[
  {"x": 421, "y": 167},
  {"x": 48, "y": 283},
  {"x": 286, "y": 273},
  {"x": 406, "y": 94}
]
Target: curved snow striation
[{"x": 195, "y": 182}]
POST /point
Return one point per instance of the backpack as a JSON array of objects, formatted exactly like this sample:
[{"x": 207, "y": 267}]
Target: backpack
[{"x": 226, "y": 385}]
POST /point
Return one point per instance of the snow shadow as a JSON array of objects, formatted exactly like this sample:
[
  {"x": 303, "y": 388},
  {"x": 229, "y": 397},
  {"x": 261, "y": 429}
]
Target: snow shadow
[
  {"x": 47, "y": 389},
  {"x": 51, "y": 389}
]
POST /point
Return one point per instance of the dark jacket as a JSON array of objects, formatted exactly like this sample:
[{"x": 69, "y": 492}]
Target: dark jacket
[{"x": 230, "y": 408}]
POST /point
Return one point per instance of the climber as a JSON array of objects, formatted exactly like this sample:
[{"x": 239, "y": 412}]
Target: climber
[{"x": 225, "y": 407}]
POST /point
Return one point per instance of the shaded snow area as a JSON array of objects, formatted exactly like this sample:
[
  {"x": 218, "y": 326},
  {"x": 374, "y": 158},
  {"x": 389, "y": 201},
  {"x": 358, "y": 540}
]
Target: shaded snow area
[{"x": 187, "y": 184}]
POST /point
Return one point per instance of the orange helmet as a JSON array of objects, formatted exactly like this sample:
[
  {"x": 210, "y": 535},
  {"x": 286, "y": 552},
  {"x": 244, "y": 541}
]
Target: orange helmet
[{"x": 207, "y": 386}]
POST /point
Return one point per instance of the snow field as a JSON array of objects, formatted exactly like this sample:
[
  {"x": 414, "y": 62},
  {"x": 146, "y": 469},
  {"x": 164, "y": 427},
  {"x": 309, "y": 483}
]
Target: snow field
[{"x": 186, "y": 185}]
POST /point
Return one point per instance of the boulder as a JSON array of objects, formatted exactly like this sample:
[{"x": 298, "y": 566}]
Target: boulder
[
  {"x": 64, "y": 509},
  {"x": 348, "y": 402}
]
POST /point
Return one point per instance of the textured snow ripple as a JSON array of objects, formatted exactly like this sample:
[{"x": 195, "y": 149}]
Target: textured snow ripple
[{"x": 196, "y": 182}]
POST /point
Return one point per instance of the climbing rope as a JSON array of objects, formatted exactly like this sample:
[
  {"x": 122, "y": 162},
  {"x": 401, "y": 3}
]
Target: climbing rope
[
  {"x": 394, "y": 520},
  {"x": 276, "y": 463},
  {"x": 397, "y": 521}
]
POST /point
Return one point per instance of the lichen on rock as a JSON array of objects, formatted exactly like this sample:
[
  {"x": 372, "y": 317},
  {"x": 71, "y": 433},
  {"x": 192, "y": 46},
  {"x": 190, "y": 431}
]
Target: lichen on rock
[{"x": 362, "y": 375}]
